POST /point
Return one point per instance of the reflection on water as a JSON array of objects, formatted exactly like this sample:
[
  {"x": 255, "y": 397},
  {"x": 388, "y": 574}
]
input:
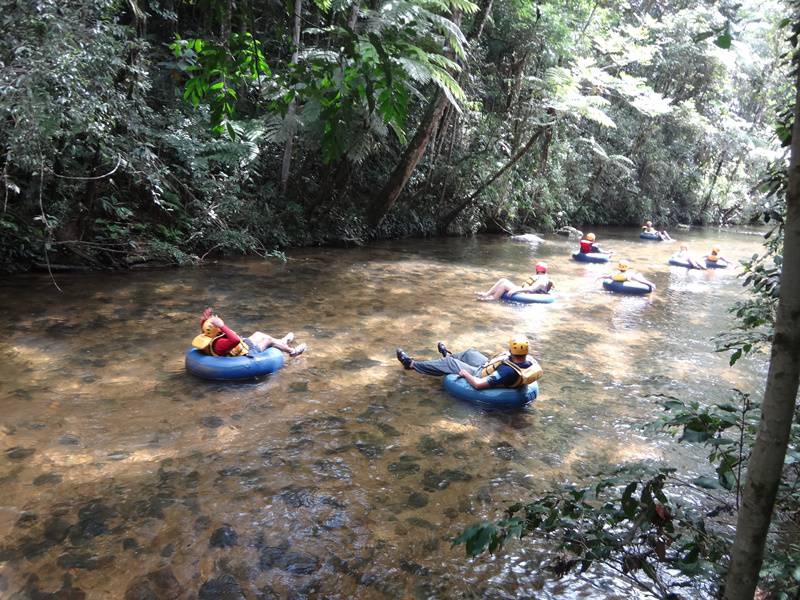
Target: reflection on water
[{"x": 342, "y": 475}]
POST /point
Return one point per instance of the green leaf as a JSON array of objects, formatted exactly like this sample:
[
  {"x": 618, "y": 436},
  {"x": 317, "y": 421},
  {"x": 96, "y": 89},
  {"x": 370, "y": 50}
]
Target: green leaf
[
  {"x": 724, "y": 41},
  {"x": 694, "y": 436}
]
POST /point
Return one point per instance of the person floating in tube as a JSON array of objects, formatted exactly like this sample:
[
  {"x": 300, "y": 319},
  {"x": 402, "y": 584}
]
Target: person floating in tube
[
  {"x": 648, "y": 228},
  {"x": 715, "y": 256},
  {"x": 624, "y": 272},
  {"x": 536, "y": 284},
  {"x": 217, "y": 339},
  {"x": 511, "y": 369},
  {"x": 587, "y": 245},
  {"x": 685, "y": 255}
]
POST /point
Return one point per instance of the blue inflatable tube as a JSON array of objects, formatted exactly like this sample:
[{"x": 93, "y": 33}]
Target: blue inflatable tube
[
  {"x": 680, "y": 262},
  {"x": 528, "y": 298},
  {"x": 654, "y": 237},
  {"x": 720, "y": 264},
  {"x": 591, "y": 257},
  {"x": 632, "y": 288},
  {"x": 491, "y": 397},
  {"x": 231, "y": 368}
]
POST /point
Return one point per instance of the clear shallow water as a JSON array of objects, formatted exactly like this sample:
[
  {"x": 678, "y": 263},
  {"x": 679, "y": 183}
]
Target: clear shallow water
[{"x": 342, "y": 475}]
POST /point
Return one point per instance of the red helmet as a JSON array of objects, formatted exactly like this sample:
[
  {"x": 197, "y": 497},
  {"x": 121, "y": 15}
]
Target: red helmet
[{"x": 541, "y": 267}]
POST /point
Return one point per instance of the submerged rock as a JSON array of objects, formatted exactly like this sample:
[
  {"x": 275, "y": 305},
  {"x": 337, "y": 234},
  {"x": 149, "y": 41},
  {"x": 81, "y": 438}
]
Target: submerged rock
[
  {"x": 69, "y": 439},
  {"x": 281, "y": 557},
  {"x": 56, "y": 530},
  {"x": 17, "y": 453},
  {"x": 223, "y": 537},
  {"x": 335, "y": 468},
  {"x": 417, "y": 500},
  {"x": 157, "y": 585},
  {"x": 212, "y": 422},
  {"x": 506, "y": 451},
  {"x": 429, "y": 446},
  {"x": 224, "y": 587},
  {"x": 432, "y": 480},
  {"x": 404, "y": 466},
  {"x": 27, "y": 519},
  {"x": 47, "y": 479}
]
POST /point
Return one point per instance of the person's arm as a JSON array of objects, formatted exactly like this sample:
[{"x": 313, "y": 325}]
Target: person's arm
[
  {"x": 229, "y": 340},
  {"x": 479, "y": 383}
]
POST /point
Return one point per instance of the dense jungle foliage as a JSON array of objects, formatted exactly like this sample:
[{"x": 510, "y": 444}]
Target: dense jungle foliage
[{"x": 170, "y": 130}]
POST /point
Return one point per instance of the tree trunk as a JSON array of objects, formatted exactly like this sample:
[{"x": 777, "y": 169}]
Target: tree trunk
[
  {"x": 766, "y": 462},
  {"x": 480, "y": 20},
  {"x": 286, "y": 165},
  {"x": 408, "y": 162},
  {"x": 416, "y": 148},
  {"x": 707, "y": 200}
]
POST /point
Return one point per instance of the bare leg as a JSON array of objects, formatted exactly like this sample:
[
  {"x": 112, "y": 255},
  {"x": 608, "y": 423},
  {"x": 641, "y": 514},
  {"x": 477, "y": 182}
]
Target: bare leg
[
  {"x": 503, "y": 286},
  {"x": 264, "y": 341}
]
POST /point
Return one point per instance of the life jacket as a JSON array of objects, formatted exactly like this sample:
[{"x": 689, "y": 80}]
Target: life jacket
[
  {"x": 586, "y": 246},
  {"x": 526, "y": 375},
  {"x": 534, "y": 278},
  {"x": 712, "y": 257},
  {"x": 205, "y": 344},
  {"x": 620, "y": 276}
]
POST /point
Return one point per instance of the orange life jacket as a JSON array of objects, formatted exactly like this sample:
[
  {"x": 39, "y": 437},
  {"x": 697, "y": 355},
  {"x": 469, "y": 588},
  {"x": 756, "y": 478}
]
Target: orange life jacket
[{"x": 526, "y": 375}]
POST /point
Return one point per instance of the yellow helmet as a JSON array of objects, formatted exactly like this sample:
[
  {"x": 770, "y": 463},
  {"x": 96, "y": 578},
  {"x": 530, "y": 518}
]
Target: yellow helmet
[
  {"x": 210, "y": 329},
  {"x": 715, "y": 250},
  {"x": 590, "y": 237},
  {"x": 648, "y": 223},
  {"x": 518, "y": 345},
  {"x": 623, "y": 265}
]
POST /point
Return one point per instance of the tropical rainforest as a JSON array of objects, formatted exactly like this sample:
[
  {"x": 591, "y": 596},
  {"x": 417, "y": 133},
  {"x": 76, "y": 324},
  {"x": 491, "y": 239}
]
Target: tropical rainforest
[{"x": 167, "y": 131}]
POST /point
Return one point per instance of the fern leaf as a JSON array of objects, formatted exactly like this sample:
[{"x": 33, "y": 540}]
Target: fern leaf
[
  {"x": 417, "y": 71},
  {"x": 449, "y": 87},
  {"x": 464, "y": 6}
]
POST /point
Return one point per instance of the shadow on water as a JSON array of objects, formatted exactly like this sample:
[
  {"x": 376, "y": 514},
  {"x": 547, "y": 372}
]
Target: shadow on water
[{"x": 342, "y": 475}]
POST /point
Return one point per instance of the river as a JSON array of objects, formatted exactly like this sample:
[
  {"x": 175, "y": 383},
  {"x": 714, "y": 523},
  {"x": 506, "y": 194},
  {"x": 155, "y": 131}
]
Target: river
[{"x": 342, "y": 475}]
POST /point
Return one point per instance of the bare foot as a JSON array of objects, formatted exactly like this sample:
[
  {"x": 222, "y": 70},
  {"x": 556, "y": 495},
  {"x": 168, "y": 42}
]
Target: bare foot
[
  {"x": 298, "y": 350},
  {"x": 288, "y": 338}
]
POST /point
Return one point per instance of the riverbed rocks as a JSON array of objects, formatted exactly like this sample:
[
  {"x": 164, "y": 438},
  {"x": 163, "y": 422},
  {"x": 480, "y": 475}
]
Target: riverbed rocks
[
  {"x": 434, "y": 481},
  {"x": 224, "y": 587},
  {"x": 282, "y": 557}
]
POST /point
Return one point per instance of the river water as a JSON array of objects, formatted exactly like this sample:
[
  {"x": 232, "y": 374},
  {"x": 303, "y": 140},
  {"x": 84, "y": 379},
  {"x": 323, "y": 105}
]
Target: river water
[{"x": 342, "y": 475}]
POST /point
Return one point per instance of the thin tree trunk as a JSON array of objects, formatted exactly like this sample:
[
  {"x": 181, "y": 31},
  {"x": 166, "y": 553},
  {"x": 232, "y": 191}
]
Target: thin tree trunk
[
  {"x": 450, "y": 217},
  {"x": 414, "y": 151},
  {"x": 707, "y": 200},
  {"x": 286, "y": 165},
  {"x": 766, "y": 462},
  {"x": 480, "y": 20}
]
